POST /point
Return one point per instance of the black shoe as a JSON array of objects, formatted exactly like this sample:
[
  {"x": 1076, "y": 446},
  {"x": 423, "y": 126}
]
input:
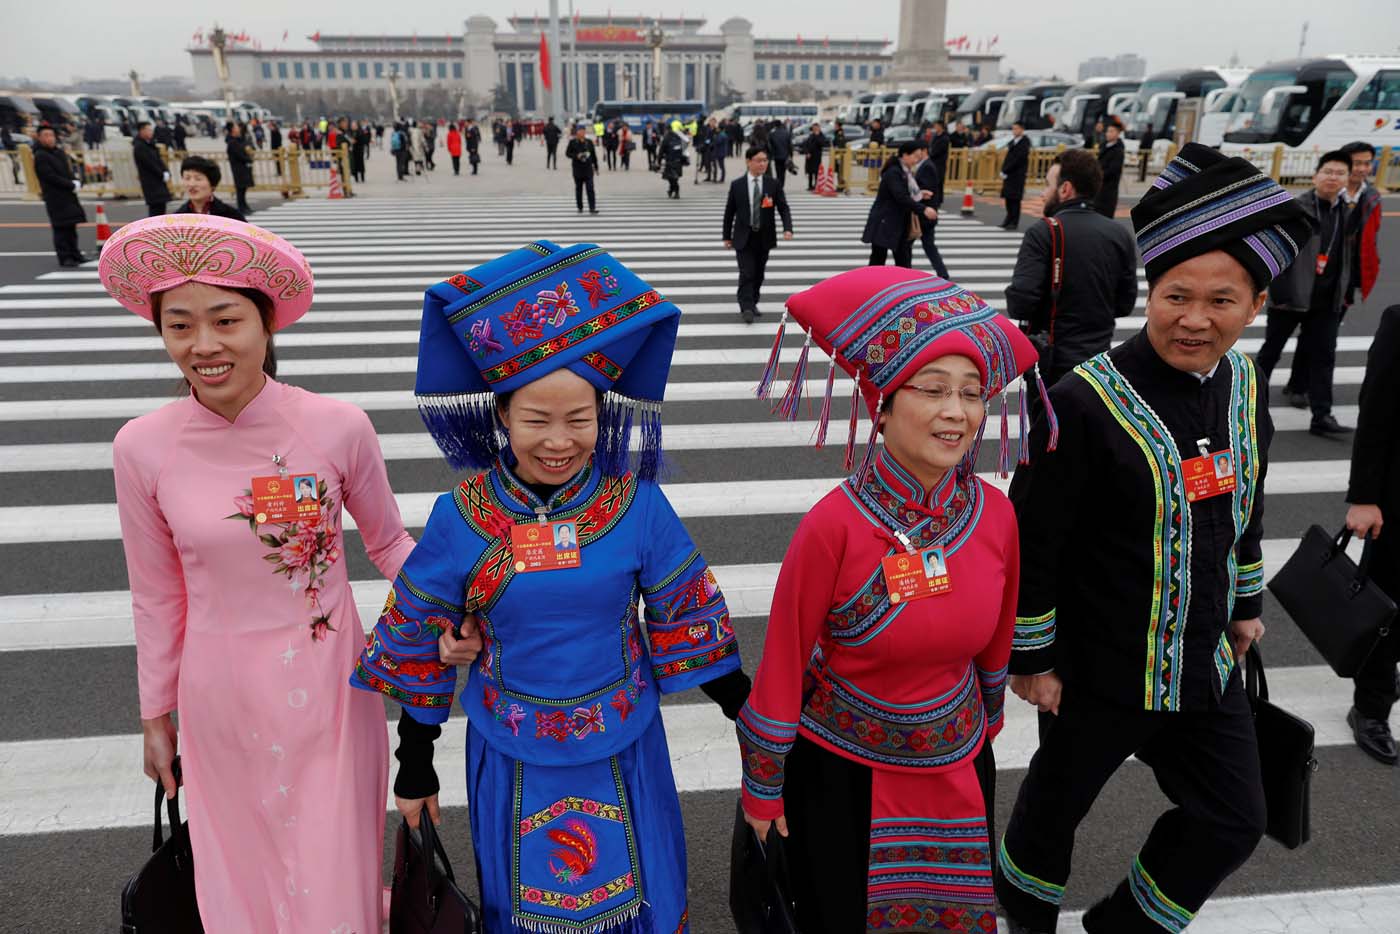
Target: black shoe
[
  {"x": 1327, "y": 426},
  {"x": 748, "y": 315},
  {"x": 1373, "y": 737},
  {"x": 592, "y": 210},
  {"x": 1299, "y": 400},
  {"x": 69, "y": 263}
]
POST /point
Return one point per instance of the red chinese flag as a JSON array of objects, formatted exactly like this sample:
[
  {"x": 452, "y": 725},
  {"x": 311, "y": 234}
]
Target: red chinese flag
[
  {"x": 544, "y": 63},
  {"x": 316, "y": 36}
]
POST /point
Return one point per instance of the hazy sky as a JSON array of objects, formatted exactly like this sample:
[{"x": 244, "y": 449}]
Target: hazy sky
[{"x": 59, "y": 39}]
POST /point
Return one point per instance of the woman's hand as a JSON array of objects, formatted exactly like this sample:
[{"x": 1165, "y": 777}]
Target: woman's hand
[
  {"x": 1365, "y": 519},
  {"x": 412, "y": 809},
  {"x": 760, "y": 827},
  {"x": 159, "y": 743},
  {"x": 931, "y": 214},
  {"x": 460, "y": 651}
]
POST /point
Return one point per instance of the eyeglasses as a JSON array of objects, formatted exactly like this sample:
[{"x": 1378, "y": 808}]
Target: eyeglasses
[{"x": 968, "y": 396}]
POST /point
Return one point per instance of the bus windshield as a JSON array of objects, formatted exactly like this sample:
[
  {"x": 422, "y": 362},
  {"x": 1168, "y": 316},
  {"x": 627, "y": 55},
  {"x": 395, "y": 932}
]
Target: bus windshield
[
  {"x": 636, "y": 113},
  {"x": 1291, "y": 117}
]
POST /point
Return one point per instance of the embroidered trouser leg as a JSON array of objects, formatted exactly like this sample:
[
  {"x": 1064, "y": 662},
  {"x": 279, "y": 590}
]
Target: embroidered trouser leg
[{"x": 1207, "y": 764}]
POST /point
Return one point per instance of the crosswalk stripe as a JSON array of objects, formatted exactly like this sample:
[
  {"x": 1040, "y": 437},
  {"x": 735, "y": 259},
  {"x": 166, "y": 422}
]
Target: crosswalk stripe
[{"x": 45, "y": 621}]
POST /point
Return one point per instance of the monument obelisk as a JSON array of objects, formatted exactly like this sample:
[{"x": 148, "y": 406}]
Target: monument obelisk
[{"x": 921, "y": 57}]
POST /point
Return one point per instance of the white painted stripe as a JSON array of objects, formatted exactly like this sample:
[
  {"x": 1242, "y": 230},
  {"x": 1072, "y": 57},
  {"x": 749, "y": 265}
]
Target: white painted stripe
[
  {"x": 80, "y": 522},
  {"x": 1370, "y": 910},
  {"x": 26, "y": 410},
  {"x": 93, "y": 782},
  {"x": 27, "y": 253},
  {"x": 713, "y": 436},
  {"x": 38, "y": 622}
]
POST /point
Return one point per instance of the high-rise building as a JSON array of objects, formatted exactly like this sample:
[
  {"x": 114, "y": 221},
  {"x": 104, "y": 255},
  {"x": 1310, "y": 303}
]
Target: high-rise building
[{"x": 1127, "y": 65}]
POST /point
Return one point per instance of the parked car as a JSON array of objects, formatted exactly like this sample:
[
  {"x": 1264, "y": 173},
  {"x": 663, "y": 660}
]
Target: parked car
[{"x": 1040, "y": 139}]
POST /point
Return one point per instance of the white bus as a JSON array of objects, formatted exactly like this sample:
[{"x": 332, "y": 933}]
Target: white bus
[
  {"x": 1317, "y": 104},
  {"x": 1034, "y": 107},
  {"x": 1089, "y": 101},
  {"x": 1174, "y": 102},
  {"x": 858, "y": 110},
  {"x": 929, "y": 104},
  {"x": 746, "y": 112}
]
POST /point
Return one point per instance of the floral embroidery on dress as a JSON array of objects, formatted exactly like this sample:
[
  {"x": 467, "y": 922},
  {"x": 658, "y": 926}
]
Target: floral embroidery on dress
[{"x": 303, "y": 552}]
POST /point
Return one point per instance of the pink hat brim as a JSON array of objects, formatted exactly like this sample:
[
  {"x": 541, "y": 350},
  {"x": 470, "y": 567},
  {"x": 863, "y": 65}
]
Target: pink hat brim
[{"x": 159, "y": 253}]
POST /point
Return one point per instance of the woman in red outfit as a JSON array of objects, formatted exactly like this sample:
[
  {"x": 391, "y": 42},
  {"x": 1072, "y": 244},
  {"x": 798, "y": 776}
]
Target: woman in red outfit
[{"x": 866, "y": 738}]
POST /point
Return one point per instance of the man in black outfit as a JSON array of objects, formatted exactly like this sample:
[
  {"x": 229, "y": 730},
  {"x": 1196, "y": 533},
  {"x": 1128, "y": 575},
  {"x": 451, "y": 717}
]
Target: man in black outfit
[
  {"x": 1013, "y": 175},
  {"x": 1374, "y": 494},
  {"x": 151, "y": 170},
  {"x": 583, "y": 156},
  {"x": 1111, "y": 164},
  {"x": 241, "y": 165},
  {"x": 1098, "y": 280},
  {"x": 1313, "y": 294},
  {"x": 59, "y": 186},
  {"x": 750, "y": 229},
  {"x": 930, "y": 179},
  {"x": 780, "y": 150},
  {"x": 551, "y": 143},
  {"x": 938, "y": 146}
]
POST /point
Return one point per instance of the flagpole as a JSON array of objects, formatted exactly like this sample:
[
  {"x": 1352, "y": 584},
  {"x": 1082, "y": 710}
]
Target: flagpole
[
  {"x": 556, "y": 90},
  {"x": 572, "y": 77}
]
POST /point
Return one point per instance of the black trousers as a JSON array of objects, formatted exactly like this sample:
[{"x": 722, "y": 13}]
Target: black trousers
[
  {"x": 1317, "y": 344},
  {"x": 65, "y": 243},
  {"x": 780, "y": 171},
  {"x": 826, "y": 800},
  {"x": 673, "y": 187},
  {"x": 580, "y": 186},
  {"x": 401, "y": 163},
  {"x": 930, "y": 229},
  {"x": 1013, "y": 212},
  {"x": 510, "y": 152},
  {"x": 157, "y": 208},
  {"x": 475, "y": 160},
  {"x": 1207, "y": 763},
  {"x": 903, "y": 254},
  {"x": 1376, "y": 688},
  {"x": 551, "y": 156},
  {"x": 456, "y": 165},
  {"x": 753, "y": 261}
]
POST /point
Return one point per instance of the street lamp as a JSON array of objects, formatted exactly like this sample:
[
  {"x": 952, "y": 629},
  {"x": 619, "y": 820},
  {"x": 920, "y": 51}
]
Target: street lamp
[
  {"x": 218, "y": 42},
  {"x": 655, "y": 38}
]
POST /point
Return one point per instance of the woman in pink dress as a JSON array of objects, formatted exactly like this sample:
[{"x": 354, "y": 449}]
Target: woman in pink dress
[{"x": 231, "y": 510}]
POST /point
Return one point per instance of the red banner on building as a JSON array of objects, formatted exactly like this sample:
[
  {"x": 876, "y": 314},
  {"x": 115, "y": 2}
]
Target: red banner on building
[
  {"x": 544, "y": 64},
  {"x": 611, "y": 34}
]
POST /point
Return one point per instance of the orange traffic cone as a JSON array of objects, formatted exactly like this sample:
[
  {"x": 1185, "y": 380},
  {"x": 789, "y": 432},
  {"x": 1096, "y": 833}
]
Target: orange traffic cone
[
  {"x": 336, "y": 190},
  {"x": 826, "y": 182},
  {"x": 968, "y": 207},
  {"x": 104, "y": 229}
]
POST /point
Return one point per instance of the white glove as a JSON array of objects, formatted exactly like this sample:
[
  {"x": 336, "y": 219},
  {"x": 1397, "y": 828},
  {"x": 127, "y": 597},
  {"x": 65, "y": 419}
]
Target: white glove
[
  {"x": 77, "y": 185},
  {"x": 166, "y": 176}
]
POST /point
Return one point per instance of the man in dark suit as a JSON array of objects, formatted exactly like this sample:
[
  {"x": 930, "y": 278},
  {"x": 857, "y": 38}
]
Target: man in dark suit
[
  {"x": 780, "y": 147},
  {"x": 1013, "y": 175},
  {"x": 59, "y": 185},
  {"x": 750, "y": 228},
  {"x": 150, "y": 169},
  {"x": 938, "y": 146},
  {"x": 1374, "y": 495},
  {"x": 929, "y": 178}
]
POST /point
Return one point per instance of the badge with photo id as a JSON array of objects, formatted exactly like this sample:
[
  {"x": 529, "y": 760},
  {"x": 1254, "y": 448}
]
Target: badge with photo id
[
  {"x": 913, "y": 575},
  {"x": 285, "y": 499},
  {"x": 545, "y": 546},
  {"x": 1209, "y": 475}
]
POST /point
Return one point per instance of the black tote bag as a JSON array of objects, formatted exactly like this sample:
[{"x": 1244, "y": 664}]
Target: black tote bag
[
  {"x": 1335, "y": 603},
  {"x": 424, "y": 896},
  {"x": 1285, "y": 759},
  {"x": 759, "y": 896},
  {"x": 159, "y": 898}
]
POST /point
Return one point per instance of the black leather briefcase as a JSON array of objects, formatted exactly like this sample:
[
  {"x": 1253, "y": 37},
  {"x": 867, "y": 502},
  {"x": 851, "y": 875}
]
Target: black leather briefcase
[
  {"x": 159, "y": 898},
  {"x": 1285, "y": 759},
  {"x": 1335, "y": 603},
  {"x": 424, "y": 897},
  {"x": 759, "y": 894}
]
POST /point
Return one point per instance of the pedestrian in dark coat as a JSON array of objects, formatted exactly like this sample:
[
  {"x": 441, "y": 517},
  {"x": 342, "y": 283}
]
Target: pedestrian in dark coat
[
  {"x": 750, "y": 229},
  {"x": 1374, "y": 492},
  {"x": 241, "y": 164},
  {"x": 1111, "y": 162},
  {"x": 59, "y": 186},
  {"x": 1013, "y": 176},
  {"x": 582, "y": 156},
  {"x": 928, "y": 178},
  {"x": 673, "y": 162},
  {"x": 150, "y": 169},
  {"x": 938, "y": 146},
  {"x": 813, "y": 147},
  {"x": 551, "y": 144},
  {"x": 473, "y": 140},
  {"x": 200, "y": 176},
  {"x": 780, "y": 151},
  {"x": 180, "y": 135},
  {"x": 897, "y": 201}
]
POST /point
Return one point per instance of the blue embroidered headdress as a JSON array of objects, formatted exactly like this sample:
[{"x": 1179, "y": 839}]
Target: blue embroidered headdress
[{"x": 526, "y": 314}]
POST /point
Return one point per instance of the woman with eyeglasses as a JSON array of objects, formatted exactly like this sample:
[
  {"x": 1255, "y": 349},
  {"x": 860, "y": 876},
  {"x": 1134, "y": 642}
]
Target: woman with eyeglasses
[{"x": 867, "y": 736}]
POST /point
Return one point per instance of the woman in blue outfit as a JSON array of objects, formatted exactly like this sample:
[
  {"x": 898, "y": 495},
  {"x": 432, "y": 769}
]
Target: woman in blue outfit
[{"x": 535, "y": 368}]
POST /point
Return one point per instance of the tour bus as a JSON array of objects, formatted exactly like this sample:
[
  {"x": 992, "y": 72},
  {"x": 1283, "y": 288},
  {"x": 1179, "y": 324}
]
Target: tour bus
[
  {"x": 883, "y": 106},
  {"x": 1315, "y": 104},
  {"x": 858, "y": 110},
  {"x": 1034, "y": 107},
  {"x": 94, "y": 107},
  {"x": 929, "y": 104},
  {"x": 159, "y": 109},
  {"x": 1089, "y": 101},
  {"x": 746, "y": 112},
  {"x": 18, "y": 113},
  {"x": 636, "y": 113},
  {"x": 1175, "y": 102},
  {"x": 136, "y": 112},
  {"x": 983, "y": 105},
  {"x": 63, "y": 115}
]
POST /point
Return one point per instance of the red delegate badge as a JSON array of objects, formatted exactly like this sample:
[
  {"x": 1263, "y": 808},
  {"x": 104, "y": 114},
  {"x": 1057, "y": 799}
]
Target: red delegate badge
[
  {"x": 767, "y": 202},
  {"x": 915, "y": 575},
  {"x": 285, "y": 499},
  {"x": 545, "y": 546},
  {"x": 1209, "y": 475}
]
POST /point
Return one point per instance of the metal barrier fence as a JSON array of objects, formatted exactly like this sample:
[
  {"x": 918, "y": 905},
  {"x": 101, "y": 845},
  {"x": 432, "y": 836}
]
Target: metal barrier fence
[{"x": 111, "y": 173}]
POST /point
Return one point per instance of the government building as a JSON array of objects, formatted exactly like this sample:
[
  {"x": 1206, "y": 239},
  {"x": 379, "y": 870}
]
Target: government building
[{"x": 603, "y": 57}]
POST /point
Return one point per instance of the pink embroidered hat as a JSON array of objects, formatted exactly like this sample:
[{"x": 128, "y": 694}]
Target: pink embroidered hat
[{"x": 159, "y": 253}]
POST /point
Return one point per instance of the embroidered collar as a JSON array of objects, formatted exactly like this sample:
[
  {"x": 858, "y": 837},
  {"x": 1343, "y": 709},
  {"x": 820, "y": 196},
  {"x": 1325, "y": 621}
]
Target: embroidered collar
[
  {"x": 903, "y": 486},
  {"x": 517, "y": 497}
]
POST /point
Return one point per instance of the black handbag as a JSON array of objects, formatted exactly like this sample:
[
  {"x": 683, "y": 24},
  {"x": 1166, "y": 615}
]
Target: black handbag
[
  {"x": 159, "y": 898},
  {"x": 1335, "y": 603},
  {"x": 424, "y": 896},
  {"x": 1285, "y": 759},
  {"x": 759, "y": 893}
]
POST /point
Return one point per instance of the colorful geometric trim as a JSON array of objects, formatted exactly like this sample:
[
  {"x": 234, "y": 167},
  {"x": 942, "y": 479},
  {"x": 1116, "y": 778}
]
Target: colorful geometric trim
[
  {"x": 1036, "y": 888},
  {"x": 1244, "y": 442},
  {"x": 931, "y": 735},
  {"x": 694, "y": 663},
  {"x": 548, "y": 272},
  {"x": 1171, "y": 530},
  {"x": 610, "y": 370},
  {"x": 464, "y": 283},
  {"x": 688, "y": 623},
  {"x": 1154, "y": 903},
  {"x": 1249, "y": 579},
  {"x": 764, "y": 745},
  {"x": 930, "y": 874},
  {"x": 570, "y": 338},
  {"x": 1235, "y": 202},
  {"x": 389, "y": 689},
  {"x": 993, "y": 693},
  {"x": 1033, "y": 632},
  {"x": 1224, "y": 660}
]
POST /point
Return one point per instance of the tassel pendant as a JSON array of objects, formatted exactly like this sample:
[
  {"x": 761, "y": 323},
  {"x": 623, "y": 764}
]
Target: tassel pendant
[
  {"x": 869, "y": 457},
  {"x": 1004, "y": 449},
  {"x": 824, "y": 419},
  {"x": 792, "y": 399},
  {"x": 770, "y": 370},
  {"x": 850, "y": 460},
  {"x": 1023, "y": 455},
  {"x": 1049, "y": 411}
]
